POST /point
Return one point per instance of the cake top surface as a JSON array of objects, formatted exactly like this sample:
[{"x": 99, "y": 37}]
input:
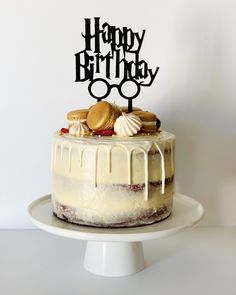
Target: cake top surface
[
  {"x": 160, "y": 136},
  {"x": 107, "y": 122}
]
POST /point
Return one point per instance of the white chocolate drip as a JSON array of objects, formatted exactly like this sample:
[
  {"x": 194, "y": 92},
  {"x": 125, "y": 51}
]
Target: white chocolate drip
[
  {"x": 145, "y": 154},
  {"x": 128, "y": 152},
  {"x": 146, "y": 175},
  {"x": 109, "y": 159},
  {"x": 81, "y": 152},
  {"x": 95, "y": 166},
  {"x": 162, "y": 167},
  {"x": 81, "y": 157},
  {"x": 69, "y": 157},
  {"x": 62, "y": 146}
]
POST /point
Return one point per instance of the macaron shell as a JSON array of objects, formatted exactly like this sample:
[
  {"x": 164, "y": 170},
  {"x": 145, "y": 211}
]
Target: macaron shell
[
  {"x": 150, "y": 119},
  {"x": 77, "y": 115},
  {"x": 149, "y": 129},
  {"x": 101, "y": 116},
  {"x": 146, "y": 116},
  {"x": 152, "y": 127}
]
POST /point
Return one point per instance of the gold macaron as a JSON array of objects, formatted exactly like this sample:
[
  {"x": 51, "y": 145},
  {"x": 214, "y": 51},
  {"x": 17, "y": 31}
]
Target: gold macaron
[
  {"x": 149, "y": 120},
  {"x": 102, "y": 116},
  {"x": 77, "y": 115}
]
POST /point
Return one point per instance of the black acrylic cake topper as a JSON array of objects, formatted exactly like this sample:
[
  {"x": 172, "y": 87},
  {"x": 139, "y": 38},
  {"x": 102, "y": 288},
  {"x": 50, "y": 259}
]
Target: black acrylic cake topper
[{"x": 122, "y": 56}]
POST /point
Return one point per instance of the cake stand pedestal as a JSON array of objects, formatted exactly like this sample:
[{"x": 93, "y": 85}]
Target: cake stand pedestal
[
  {"x": 114, "y": 259},
  {"x": 116, "y": 252}
]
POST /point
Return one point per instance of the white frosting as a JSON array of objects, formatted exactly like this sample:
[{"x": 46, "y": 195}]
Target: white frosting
[
  {"x": 70, "y": 122},
  {"x": 127, "y": 125},
  {"x": 78, "y": 129},
  {"x": 87, "y": 151},
  {"x": 106, "y": 198},
  {"x": 148, "y": 123},
  {"x": 99, "y": 176}
]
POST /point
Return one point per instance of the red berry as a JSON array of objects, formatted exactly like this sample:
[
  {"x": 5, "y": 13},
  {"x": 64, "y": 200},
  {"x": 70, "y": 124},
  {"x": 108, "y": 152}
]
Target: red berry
[
  {"x": 64, "y": 130},
  {"x": 104, "y": 132}
]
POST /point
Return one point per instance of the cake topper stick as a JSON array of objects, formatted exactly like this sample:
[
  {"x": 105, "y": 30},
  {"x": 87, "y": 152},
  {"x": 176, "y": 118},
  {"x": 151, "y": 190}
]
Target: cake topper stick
[{"x": 130, "y": 105}]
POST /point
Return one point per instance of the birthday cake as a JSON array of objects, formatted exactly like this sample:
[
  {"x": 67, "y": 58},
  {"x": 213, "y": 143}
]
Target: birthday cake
[{"x": 112, "y": 166}]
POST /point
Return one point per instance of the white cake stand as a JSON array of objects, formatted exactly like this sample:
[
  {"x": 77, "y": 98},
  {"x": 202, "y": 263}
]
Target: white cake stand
[{"x": 116, "y": 252}]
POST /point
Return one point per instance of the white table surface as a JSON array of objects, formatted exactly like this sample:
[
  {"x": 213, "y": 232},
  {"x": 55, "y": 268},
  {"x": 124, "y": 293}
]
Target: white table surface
[{"x": 198, "y": 261}]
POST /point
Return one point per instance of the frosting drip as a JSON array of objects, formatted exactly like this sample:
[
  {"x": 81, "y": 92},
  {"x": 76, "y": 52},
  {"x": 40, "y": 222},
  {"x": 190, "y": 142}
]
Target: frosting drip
[{"x": 64, "y": 145}]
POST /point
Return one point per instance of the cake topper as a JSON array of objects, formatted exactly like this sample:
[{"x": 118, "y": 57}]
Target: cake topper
[{"x": 111, "y": 52}]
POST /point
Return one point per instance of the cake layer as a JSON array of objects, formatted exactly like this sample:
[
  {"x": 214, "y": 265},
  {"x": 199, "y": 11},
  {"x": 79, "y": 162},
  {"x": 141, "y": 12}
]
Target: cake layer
[
  {"x": 113, "y": 181},
  {"x": 142, "y": 217},
  {"x": 109, "y": 197}
]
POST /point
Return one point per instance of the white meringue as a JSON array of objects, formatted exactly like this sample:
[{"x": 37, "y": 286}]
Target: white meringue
[
  {"x": 127, "y": 124},
  {"x": 78, "y": 129}
]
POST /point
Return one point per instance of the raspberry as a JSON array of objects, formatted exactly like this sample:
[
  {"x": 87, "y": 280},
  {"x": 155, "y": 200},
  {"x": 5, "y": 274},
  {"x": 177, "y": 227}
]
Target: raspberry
[
  {"x": 104, "y": 132},
  {"x": 64, "y": 130}
]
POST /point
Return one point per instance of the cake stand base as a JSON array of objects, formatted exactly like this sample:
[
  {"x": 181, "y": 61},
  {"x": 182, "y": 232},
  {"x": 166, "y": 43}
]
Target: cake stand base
[
  {"x": 115, "y": 252},
  {"x": 114, "y": 259}
]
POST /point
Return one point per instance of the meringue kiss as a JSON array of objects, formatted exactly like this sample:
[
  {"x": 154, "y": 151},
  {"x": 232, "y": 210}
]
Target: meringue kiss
[{"x": 127, "y": 124}]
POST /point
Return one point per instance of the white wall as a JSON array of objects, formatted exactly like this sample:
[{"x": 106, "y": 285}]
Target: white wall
[{"x": 193, "y": 42}]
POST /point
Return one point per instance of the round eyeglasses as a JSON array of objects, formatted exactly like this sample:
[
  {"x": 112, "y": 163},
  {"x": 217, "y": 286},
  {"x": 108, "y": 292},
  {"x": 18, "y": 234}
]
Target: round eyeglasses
[{"x": 100, "y": 88}]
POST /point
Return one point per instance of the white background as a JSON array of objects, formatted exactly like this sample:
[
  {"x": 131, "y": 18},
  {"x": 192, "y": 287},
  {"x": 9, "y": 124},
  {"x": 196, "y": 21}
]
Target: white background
[{"x": 193, "y": 42}]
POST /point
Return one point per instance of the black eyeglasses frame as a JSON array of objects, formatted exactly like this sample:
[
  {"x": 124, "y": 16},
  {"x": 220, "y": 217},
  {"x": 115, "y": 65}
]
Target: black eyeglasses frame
[{"x": 110, "y": 86}]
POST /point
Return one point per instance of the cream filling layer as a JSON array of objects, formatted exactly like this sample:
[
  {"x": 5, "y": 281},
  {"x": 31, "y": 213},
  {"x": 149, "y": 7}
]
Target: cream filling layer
[
  {"x": 107, "y": 199},
  {"x": 71, "y": 122},
  {"x": 145, "y": 123}
]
